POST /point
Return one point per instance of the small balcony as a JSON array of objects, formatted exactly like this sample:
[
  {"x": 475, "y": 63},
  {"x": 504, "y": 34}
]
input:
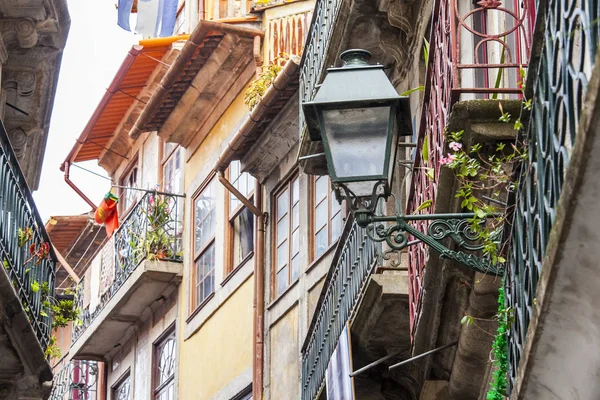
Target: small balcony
[
  {"x": 77, "y": 380},
  {"x": 137, "y": 267},
  {"x": 348, "y": 277},
  {"x": 28, "y": 265}
]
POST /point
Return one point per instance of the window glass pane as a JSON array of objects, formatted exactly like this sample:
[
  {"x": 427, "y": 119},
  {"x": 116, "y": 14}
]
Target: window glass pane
[
  {"x": 205, "y": 217},
  {"x": 243, "y": 236},
  {"x": 128, "y": 196},
  {"x": 172, "y": 173},
  {"x": 166, "y": 361},
  {"x": 243, "y": 185},
  {"x": 295, "y": 242},
  {"x": 335, "y": 206},
  {"x": 321, "y": 216},
  {"x": 336, "y": 227},
  {"x": 282, "y": 229},
  {"x": 205, "y": 266},
  {"x": 282, "y": 254},
  {"x": 321, "y": 188},
  {"x": 320, "y": 242},
  {"x": 296, "y": 190},
  {"x": 121, "y": 392},
  {"x": 283, "y": 204},
  {"x": 295, "y": 268},
  {"x": 296, "y": 216},
  {"x": 282, "y": 280}
]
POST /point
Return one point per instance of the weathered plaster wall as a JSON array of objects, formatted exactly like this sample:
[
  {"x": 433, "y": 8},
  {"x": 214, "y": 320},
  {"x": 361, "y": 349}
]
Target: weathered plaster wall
[
  {"x": 220, "y": 351},
  {"x": 136, "y": 355},
  {"x": 285, "y": 363}
]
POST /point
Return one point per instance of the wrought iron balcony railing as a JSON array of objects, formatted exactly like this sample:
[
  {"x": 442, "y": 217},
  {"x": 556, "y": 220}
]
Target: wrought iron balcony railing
[
  {"x": 152, "y": 231},
  {"x": 313, "y": 59},
  {"x": 355, "y": 257},
  {"x": 24, "y": 269},
  {"x": 76, "y": 381},
  {"x": 568, "y": 32},
  {"x": 477, "y": 51}
]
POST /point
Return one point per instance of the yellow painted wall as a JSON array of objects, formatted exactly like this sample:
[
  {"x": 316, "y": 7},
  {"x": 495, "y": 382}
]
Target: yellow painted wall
[
  {"x": 209, "y": 151},
  {"x": 220, "y": 351}
]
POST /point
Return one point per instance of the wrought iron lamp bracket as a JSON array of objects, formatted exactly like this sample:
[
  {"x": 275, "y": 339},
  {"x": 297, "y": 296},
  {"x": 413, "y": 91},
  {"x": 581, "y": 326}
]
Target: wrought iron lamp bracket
[{"x": 456, "y": 226}]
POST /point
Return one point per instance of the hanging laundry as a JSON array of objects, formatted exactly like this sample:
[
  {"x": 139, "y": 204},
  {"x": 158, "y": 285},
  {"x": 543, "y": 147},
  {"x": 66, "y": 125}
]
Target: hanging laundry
[
  {"x": 107, "y": 213},
  {"x": 156, "y": 18},
  {"x": 124, "y": 9}
]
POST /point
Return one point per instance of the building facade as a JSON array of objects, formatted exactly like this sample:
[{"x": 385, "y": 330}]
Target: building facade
[
  {"x": 236, "y": 273},
  {"x": 32, "y": 38}
]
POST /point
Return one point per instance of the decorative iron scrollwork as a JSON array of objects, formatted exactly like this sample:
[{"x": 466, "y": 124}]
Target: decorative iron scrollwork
[
  {"x": 76, "y": 381},
  {"x": 457, "y": 227}
]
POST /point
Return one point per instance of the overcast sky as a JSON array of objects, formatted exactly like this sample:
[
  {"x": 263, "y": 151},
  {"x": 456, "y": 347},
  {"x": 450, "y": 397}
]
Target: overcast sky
[{"x": 95, "y": 48}]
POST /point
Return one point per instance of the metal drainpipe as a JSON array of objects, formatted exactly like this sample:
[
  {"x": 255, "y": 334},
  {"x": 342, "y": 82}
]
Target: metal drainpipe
[
  {"x": 67, "y": 166},
  {"x": 258, "y": 304}
]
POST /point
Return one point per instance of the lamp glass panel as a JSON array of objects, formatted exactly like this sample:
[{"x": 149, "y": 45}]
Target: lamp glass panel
[{"x": 357, "y": 139}]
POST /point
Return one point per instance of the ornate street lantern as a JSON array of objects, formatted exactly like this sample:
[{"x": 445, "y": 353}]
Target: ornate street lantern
[{"x": 359, "y": 116}]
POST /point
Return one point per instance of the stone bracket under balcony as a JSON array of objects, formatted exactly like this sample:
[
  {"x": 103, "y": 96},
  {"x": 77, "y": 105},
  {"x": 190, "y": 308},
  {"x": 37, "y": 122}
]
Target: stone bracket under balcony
[{"x": 150, "y": 282}]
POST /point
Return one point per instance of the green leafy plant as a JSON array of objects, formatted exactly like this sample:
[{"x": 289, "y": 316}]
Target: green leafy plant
[
  {"x": 24, "y": 235},
  {"x": 156, "y": 243},
  {"x": 259, "y": 86},
  {"x": 62, "y": 310},
  {"x": 479, "y": 172}
]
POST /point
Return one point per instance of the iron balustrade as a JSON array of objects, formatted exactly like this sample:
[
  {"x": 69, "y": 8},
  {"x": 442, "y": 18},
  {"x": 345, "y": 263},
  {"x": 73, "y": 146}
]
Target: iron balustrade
[
  {"x": 569, "y": 35},
  {"x": 476, "y": 52},
  {"x": 312, "y": 64},
  {"x": 471, "y": 57},
  {"x": 77, "y": 380},
  {"x": 151, "y": 231},
  {"x": 24, "y": 270},
  {"x": 354, "y": 260}
]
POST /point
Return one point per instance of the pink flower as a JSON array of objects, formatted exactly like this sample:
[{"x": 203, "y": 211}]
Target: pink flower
[
  {"x": 447, "y": 160},
  {"x": 455, "y": 146}
]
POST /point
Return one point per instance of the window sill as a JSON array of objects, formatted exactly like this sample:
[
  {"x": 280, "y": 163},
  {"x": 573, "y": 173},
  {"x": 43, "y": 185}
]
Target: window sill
[
  {"x": 200, "y": 307},
  {"x": 236, "y": 269},
  {"x": 322, "y": 256},
  {"x": 282, "y": 294}
]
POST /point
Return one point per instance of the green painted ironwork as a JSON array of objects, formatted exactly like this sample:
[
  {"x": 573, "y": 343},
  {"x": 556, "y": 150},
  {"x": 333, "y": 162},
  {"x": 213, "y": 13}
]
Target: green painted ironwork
[
  {"x": 354, "y": 260},
  {"x": 18, "y": 211},
  {"x": 457, "y": 227},
  {"x": 568, "y": 33}
]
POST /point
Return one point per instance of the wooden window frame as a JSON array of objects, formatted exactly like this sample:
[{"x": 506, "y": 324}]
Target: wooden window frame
[
  {"x": 195, "y": 304},
  {"x": 286, "y": 185},
  {"x": 230, "y": 216},
  {"x": 124, "y": 211},
  {"x": 168, "y": 334},
  {"x": 124, "y": 377},
  {"x": 312, "y": 215},
  {"x": 167, "y": 156}
]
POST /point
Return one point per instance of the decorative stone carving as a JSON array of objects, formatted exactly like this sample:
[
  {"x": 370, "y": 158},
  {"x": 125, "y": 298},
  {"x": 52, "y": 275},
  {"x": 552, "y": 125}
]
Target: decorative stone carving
[
  {"x": 18, "y": 140},
  {"x": 23, "y": 8},
  {"x": 21, "y": 32}
]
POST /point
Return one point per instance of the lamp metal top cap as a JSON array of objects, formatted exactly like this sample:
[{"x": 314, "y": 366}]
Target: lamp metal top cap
[{"x": 355, "y": 57}]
